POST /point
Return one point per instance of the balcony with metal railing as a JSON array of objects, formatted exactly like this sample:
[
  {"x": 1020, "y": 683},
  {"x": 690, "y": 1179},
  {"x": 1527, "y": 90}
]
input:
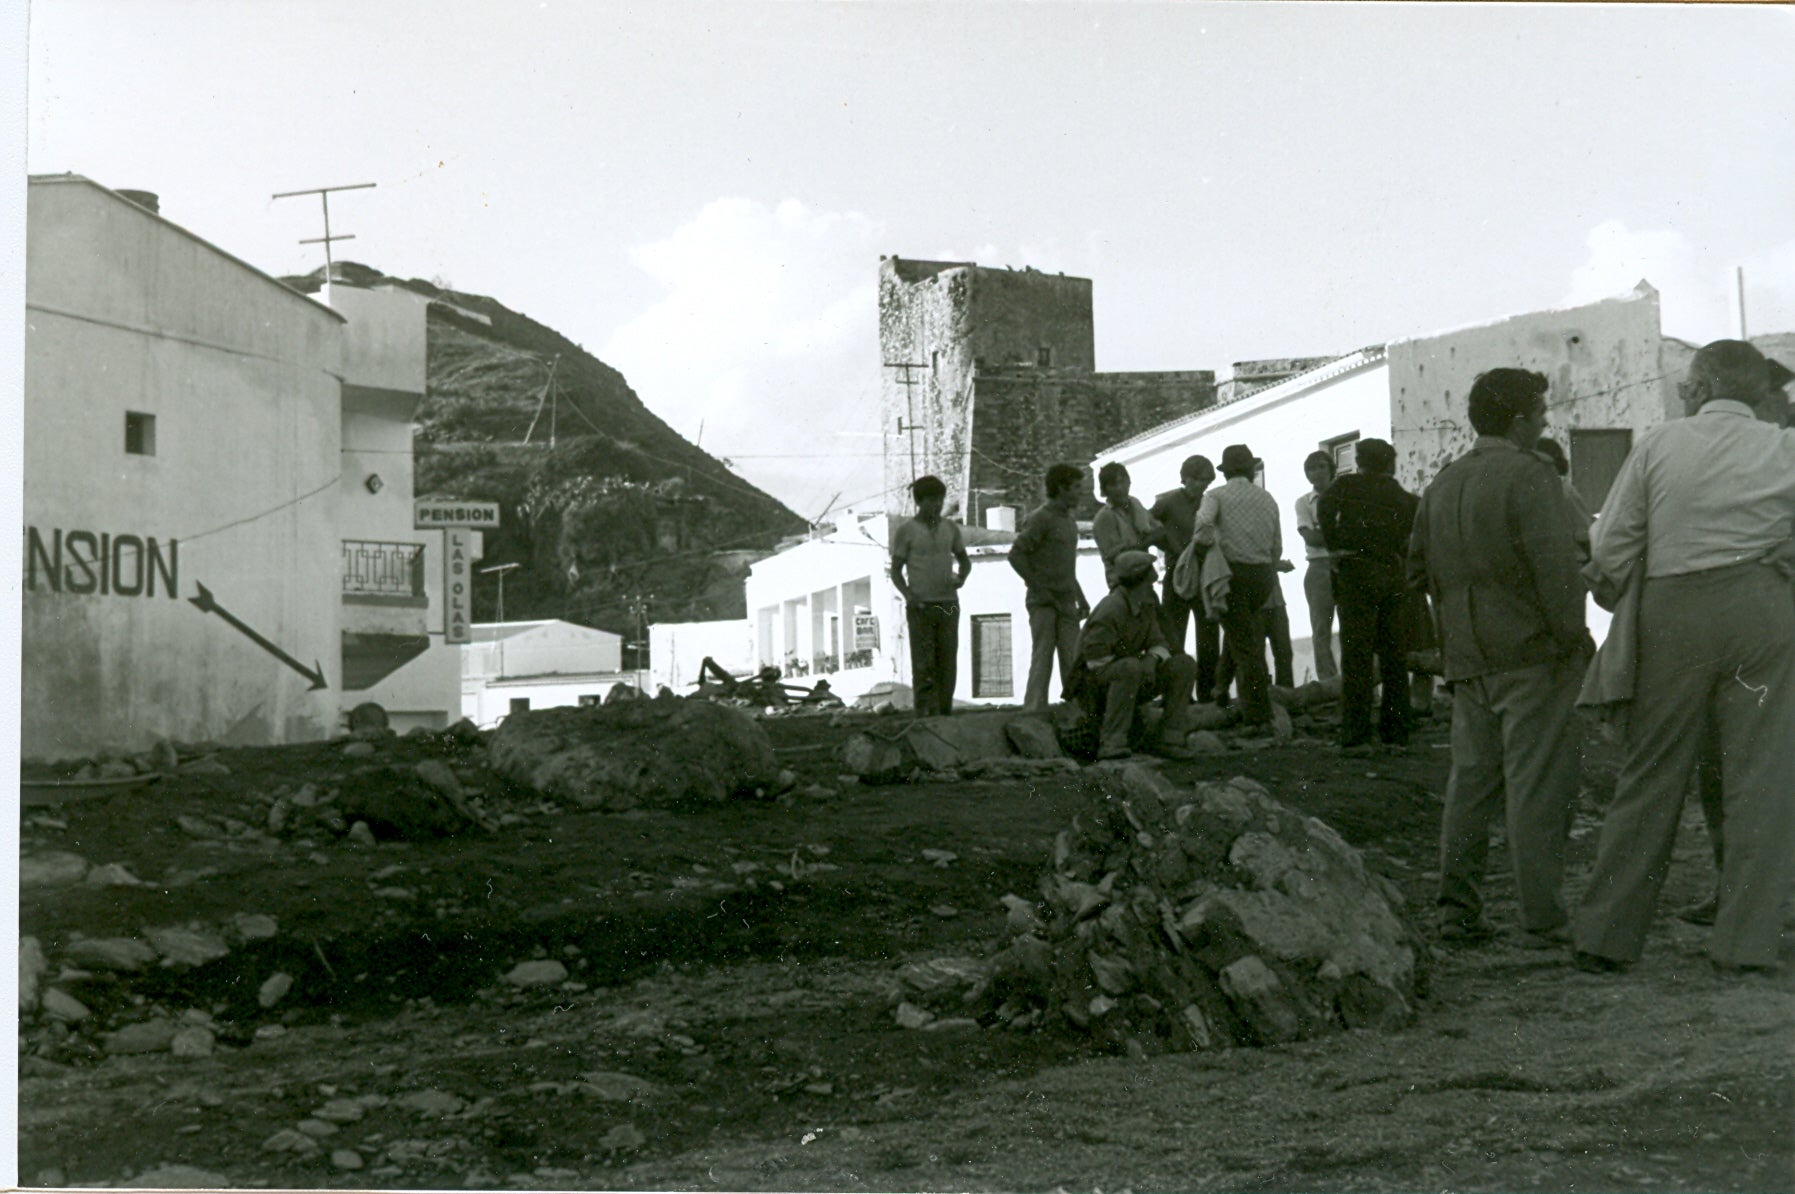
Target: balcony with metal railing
[{"x": 377, "y": 573}]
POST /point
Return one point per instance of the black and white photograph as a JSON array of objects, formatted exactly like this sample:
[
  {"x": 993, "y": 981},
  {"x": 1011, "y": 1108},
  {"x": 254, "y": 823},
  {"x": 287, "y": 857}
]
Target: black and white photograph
[{"x": 895, "y": 596}]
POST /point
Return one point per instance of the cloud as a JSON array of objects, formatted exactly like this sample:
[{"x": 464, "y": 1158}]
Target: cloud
[
  {"x": 1697, "y": 291},
  {"x": 767, "y": 332}
]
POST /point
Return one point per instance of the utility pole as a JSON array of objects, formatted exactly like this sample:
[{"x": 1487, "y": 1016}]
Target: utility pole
[
  {"x": 324, "y": 194},
  {"x": 501, "y": 569},
  {"x": 908, "y": 424},
  {"x": 548, "y": 396},
  {"x": 1739, "y": 272}
]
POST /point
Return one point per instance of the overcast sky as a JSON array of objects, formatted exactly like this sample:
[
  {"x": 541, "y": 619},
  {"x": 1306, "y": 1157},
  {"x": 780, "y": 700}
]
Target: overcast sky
[{"x": 699, "y": 194}]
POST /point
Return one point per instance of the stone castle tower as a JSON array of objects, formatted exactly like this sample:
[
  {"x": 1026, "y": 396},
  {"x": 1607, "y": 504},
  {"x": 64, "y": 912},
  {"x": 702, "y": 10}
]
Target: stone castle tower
[{"x": 989, "y": 375}]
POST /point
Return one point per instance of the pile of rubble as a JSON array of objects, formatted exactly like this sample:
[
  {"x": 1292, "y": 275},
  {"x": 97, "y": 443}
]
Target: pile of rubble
[
  {"x": 661, "y": 752},
  {"x": 1174, "y": 920}
]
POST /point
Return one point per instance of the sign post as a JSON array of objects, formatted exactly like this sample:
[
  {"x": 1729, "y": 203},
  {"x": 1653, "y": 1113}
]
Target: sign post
[{"x": 457, "y": 521}]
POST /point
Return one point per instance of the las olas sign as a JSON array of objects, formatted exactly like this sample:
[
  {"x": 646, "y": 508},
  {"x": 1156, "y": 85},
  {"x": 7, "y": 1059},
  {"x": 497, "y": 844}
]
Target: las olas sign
[{"x": 457, "y": 521}]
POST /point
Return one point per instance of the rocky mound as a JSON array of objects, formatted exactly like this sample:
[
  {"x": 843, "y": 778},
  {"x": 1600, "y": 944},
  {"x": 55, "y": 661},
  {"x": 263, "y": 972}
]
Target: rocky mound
[
  {"x": 615, "y": 757},
  {"x": 1175, "y": 920}
]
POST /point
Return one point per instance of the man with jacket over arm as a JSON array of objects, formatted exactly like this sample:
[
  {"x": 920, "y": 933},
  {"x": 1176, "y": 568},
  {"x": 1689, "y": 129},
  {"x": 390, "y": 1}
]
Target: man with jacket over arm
[
  {"x": 1241, "y": 521},
  {"x": 1176, "y": 513},
  {"x": 1494, "y": 548}
]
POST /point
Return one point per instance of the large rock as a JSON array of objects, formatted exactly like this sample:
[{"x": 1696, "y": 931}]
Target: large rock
[
  {"x": 51, "y": 868},
  {"x": 1176, "y": 919},
  {"x": 187, "y": 946},
  {"x": 124, "y": 954},
  {"x": 639, "y": 752},
  {"x": 400, "y": 803},
  {"x": 962, "y": 742}
]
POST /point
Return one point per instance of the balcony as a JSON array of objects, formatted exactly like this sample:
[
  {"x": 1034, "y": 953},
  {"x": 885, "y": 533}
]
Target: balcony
[{"x": 376, "y": 573}]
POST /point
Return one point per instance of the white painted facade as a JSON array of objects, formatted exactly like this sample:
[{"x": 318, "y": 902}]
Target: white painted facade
[
  {"x": 676, "y": 650},
  {"x": 186, "y": 420},
  {"x": 809, "y": 608},
  {"x": 543, "y": 664}
]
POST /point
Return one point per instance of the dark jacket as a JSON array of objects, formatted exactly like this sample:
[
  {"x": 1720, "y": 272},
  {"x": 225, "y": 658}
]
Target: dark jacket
[
  {"x": 1125, "y": 625},
  {"x": 1494, "y": 548},
  {"x": 1366, "y": 520}
]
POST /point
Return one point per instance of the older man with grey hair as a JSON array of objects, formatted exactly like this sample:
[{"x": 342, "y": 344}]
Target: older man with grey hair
[{"x": 1706, "y": 506}]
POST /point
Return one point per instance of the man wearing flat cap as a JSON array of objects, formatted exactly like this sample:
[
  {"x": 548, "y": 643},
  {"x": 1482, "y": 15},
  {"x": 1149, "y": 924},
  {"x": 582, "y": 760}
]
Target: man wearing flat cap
[
  {"x": 1123, "y": 647},
  {"x": 1241, "y": 519},
  {"x": 1706, "y": 506}
]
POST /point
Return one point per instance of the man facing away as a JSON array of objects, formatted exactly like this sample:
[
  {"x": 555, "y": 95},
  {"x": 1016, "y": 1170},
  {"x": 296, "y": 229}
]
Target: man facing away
[
  {"x": 1241, "y": 520},
  {"x": 1176, "y": 513},
  {"x": 1124, "y": 646},
  {"x": 1045, "y": 555},
  {"x": 1123, "y": 524},
  {"x": 1706, "y": 505},
  {"x": 1494, "y": 548},
  {"x": 1365, "y": 519},
  {"x": 1318, "y": 577},
  {"x": 928, "y": 565}
]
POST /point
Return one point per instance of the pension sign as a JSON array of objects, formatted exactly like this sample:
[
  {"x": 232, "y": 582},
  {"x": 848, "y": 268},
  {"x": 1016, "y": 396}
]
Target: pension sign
[{"x": 436, "y": 515}]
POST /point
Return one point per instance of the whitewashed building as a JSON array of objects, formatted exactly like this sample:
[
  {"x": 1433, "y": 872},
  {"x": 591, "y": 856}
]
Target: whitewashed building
[
  {"x": 513, "y": 667},
  {"x": 200, "y": 449},
  {"x": 677, "y": 651},
  {"x": 1603, "y": 360}
]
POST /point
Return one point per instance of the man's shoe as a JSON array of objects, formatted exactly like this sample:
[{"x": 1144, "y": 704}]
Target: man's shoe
[
  {"x": 1556, "y": 938},
  {"x": 1597, "y": 964},
  {"x": 1702, "y": 913}
]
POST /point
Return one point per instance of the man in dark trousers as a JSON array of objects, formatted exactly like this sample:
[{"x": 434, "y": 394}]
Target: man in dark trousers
[
  {"x": 1365, "y": 519},
  {"x": 1494, "y": 548},
  {"x": 928, "y": 565},
  {"x": 1124, "y": 647},
  {"x": 1176, "y": 513},
  {"x": 1241, "y": 521},
  {"x": 1045, "y": 556}
]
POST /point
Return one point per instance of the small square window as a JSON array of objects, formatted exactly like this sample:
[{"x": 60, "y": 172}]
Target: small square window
[
  {"x": 520, "y": 704},
  {"x": 591, "y": 700},
  {"x": 140, "y": 433}
]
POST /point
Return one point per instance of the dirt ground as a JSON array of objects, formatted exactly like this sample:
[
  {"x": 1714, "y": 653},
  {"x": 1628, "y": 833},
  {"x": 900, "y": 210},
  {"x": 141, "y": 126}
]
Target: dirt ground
[{"x": 726, "y": 1023}]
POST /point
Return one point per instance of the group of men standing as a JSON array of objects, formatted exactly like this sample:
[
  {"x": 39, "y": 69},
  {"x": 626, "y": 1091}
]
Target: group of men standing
[{"x": 1693, "y": 548}]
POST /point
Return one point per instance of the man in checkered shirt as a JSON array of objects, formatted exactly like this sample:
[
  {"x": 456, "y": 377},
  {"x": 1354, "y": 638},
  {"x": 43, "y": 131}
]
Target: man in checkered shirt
[{"x": 1241, "y": 519}]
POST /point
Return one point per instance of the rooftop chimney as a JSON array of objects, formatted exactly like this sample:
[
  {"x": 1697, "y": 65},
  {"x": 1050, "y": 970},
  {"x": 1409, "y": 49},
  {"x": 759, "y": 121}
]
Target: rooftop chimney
[{"x": 144, "y": 199}]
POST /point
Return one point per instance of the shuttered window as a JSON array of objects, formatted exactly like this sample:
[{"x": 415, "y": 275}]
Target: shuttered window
[{"x": 993, "y": 674}]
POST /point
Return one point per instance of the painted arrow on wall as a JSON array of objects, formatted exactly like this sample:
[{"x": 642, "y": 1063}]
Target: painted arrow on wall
[{"x": 207, "y": 605}]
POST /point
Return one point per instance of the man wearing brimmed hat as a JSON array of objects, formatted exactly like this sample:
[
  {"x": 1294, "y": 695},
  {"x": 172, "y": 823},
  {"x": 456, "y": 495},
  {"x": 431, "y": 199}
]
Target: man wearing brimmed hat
[
  {"x": 1241, "y": 519},
  {"x": 1124, "y": 648},
  {"x": 1706, "y": 505}
]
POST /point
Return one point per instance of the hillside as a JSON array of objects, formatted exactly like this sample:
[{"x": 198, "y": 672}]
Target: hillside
[{"x": 620, "y": 521}]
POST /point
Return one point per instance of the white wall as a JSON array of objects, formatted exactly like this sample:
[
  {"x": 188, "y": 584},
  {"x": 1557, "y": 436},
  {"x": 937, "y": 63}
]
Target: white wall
[
  {"x": 677, "y": 649},
  {"x": 820, "y": 573},
  {"x": 127, "y": 312},
  {"x": 545, "y": 649}
]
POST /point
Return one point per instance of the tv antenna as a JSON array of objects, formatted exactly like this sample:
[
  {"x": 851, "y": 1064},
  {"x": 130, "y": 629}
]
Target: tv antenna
[
  {"x": 324, "y": 194},
  {"x": 908, "y": 424}
]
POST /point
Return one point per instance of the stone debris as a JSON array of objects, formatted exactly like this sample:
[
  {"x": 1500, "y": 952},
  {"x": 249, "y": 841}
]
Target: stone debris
[
  {"x": 187, "y": 946},
  {"x": 1282, "y": 728},
  {"x": 1178, "y": 920},
  {"x": 1020, "y": 915},
  {"x": 614, "y": 1087},
  {"x": 164, "y": 756},
  {"x": 178, "y": 1177},
  {"x": 908, "y": 1015},
  {"x": 1033, "y": 738},
  {"x": 940, "y": 858},
  {"x": 1206, "y": 742},
  {"x": 614, "y": 757},
  {"x": 624, "y": 1138},
  {"x": 113, "y": 874},
  {"x": 288, "y": 1140},
  {"x": 205, "y": 766},
  {"x": 537, "y": 974},
  {"x": 193, "y": 1041},
  {"x": 62, "y": 1007},
  {"x": 254, "y": 926},
  {"x": 121, "y": 954},
  {"x": 360, "y": 834},
  {"x": 148, "y": 1036},
  {"x": 431, "y": 1102},
  {"x": 317, "y": 1129},
  {"x": 52, "y": 868},
  {"x": 274, "y": 988},
  {"x": 203, "y": 828},
  {"x": 345, "y": 1158},
  {"x": 340, "y": 1111},
  {"x": 32, "y": 965},
  {"x": 360, "y": 750}
]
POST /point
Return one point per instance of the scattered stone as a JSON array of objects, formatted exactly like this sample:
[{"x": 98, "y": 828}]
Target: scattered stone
[
  {"x": 1281, "y": 727},
  {"x": 439, "y": 775},
  {"x": 1020, "y": 915},
  {"x": 164, "y": 756},
  {"x": 113, "y": 874},
  {"x": 908, "y": 1015},
  {"x": 1206, "y": 742},
  {"x": 122, "y": 954},
  {"x": 32, "y": 965},
  {"x": 405, "y": 804},
  {"x": 1033, "y": 738},
  {"x": 618, "y": 1088},
  {"x": 876, "y": 759},
  {"x": 199, "y": 827},
  {"x": 940, "y": 981},
  {"x": 51, "y": 1175},
  {"x": 317, "y": 1129},
  {"x": 341, "y": 1111},
  {"x": 951, "y": 1024},
  {"x": 360, "y": 750},
  {"x": 944, "y": 911},
  {"x": 192, "y": 1041},
  {"x": 187, "y": 947},
  {"x": 818, "y": 792},
  {"x": 52, "y": 868},
  {"x": 431, "y": 1102},
  {"x": 205, "y": 766},
  {"x": 255, "y": 926},
  {"x": 274, "y": 988},
  {"x": 463, "y": 733},
  {"x": 785, "y": 781},
  {"x": 624, "y": 1138},
  {"x": 345, "y": 1158},
  {"x": 289, "y": 1141},
  {"x": 149, "y": 1036},
  {"x": 361, "y": 835},
  {"x": 62, "y": 1007},
  {"x": 306, "y": 796},
  {"x": 943, "y": 743},
  {"x": 537, "y": 974},
  {"x": 615, "y": 757},
  {"x": 177, "y": 1177},
  {"x": 940, "y": 858},
  {"x": 278, "y": 812}
]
